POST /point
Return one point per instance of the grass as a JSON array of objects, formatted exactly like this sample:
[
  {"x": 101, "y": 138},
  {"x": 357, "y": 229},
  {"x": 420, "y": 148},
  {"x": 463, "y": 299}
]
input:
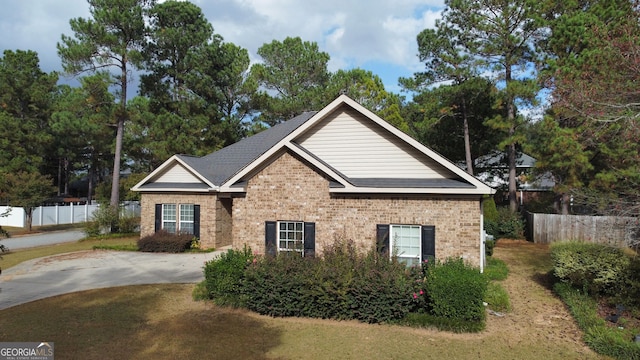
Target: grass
[
  {"x": 15, "y": 257},
  {"x": 164, "y": 322}
]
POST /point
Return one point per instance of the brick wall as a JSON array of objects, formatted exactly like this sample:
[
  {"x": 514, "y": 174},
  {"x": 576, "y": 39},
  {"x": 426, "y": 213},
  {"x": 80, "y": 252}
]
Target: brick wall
[
  {"x": 288, "y": 189},
  {"x": 207, "y": 204}
]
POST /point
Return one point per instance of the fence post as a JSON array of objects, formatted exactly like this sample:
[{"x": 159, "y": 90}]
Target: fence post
[{"x": 71, "y": 210}]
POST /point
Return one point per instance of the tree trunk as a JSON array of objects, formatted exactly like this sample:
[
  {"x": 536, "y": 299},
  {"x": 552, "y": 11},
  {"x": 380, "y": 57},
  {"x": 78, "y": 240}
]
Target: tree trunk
[
  {"x": 566, "y": 199},
  {"x": 511, "y": 149},
  {"x": 467, "y": 142}
]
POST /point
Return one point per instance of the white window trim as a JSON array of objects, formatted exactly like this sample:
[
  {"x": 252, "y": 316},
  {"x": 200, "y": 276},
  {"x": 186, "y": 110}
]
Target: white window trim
[
  {"x": 278, "y": 239},
  {"x": 392, "y": 245},
  {"x": 178, "y": 214},
  {"x": 165, "y": 220},
  {"x": 179, "y": 217}
]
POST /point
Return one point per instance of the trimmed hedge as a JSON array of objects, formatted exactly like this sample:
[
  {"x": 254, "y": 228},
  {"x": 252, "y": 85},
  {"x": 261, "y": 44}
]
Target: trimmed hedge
[
  {"x": 344, "y": 284},
  {"x": 596, "y": 268},
  {"x": 163, "y": 241}
]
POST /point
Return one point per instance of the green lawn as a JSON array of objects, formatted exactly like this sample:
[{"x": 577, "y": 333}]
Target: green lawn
[{"x": 164, "y": 322}]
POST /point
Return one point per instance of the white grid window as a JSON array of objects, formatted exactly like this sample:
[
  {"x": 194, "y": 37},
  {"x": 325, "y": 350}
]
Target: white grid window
[
  {"x": 406, "y": 243},
  {"x": 169, "y": 217},
  {"x": 186, "y": 218},
  {"x": 291, "y": 236}
]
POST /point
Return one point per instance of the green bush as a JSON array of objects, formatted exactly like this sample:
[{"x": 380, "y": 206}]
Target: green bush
[
  {"x": 488, "y": 247},
  {"x": 490, "y": 211},
  {"x": 630, "y": 289},
  {"x": 224, "y": 277},
  {"x": 456, "y": 291},
  {"x": 128, "y": 223},
  {"x": 605, "y": 340},
  {"x": 344, "y": 284},
  {"x": 508, "y": 225},
  {"x": 596, "y": 268},
  {"x": 163, "y": 241},
  {"x": 102, "y": 221}
]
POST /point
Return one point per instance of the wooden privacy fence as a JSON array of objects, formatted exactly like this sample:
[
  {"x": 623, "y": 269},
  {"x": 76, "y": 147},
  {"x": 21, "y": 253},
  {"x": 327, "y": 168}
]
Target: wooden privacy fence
[{"x": 550, "y": 228}]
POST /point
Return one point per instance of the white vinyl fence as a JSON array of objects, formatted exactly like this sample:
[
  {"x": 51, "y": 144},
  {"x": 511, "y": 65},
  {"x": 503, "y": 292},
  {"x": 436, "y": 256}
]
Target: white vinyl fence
[{"x": 57, "y": 214}]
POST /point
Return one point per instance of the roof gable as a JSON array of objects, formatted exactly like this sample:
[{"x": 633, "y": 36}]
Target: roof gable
[
  {"x": 359, "y": 148},
  {"x": 347, "y": 142}
]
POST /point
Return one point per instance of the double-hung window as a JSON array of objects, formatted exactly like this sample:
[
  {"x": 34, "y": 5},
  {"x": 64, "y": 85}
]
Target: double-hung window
[
  {"x": 406, "y": 244},
  {"x": 186, "y": 218},
  {"x": 290, "y": 236},
  {"x": 169, "y": 218},
  {"x": 178, "y": 218},
  {"x": 410, "y": 244}
]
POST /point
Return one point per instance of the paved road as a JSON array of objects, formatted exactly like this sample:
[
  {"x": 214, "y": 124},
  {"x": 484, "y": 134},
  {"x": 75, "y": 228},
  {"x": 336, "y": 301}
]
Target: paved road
[
  {"x": 47, "y": 238},
  {"x": 60, "y": 274}
]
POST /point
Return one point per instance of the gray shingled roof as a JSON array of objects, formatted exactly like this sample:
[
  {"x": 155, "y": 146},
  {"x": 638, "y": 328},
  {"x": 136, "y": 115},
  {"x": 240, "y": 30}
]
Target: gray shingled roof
[{"x": 222, "y": 165}]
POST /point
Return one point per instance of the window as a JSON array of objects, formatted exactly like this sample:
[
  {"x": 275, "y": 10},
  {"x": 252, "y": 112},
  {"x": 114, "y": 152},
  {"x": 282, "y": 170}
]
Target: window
[
  {"x": 186, "y": 218},
  {"x": 169, "y": 217},
  {"x": 406, "y": 244},
  {"x": 290, "y": 236},
  {"x": 411, "y": 244},
  {"x": 178, "y": 218}
]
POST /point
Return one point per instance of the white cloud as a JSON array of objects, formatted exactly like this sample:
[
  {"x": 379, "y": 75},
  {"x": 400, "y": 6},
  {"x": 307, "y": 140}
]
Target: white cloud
[{"x": 354, "y": 33}]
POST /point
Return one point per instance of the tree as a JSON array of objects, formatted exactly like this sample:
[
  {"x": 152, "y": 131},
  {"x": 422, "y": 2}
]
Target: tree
[
  {"x": 437, "y": 120},
  {"x": 111, "y": 39},
  {"x": 502, "y": 34},
  {"x": 80, "y": 123},
  {"x": 592, "y": 67},
  {"x": 368, "y": 90},
  {"x": 26, "y": 95},
  {"x": 446, "y": 60},
  {"x": 292, "y": 77},
  {"x": 27, "y": 190}
]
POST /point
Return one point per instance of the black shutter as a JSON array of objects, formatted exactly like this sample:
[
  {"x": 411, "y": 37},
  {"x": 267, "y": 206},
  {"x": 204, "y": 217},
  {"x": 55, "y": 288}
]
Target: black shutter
[
  {"x": 428, "y": 243},
  {"x": 382, "y": 238},
  {"x": 196, "y": 221},
  {"x": 271, "y": 238},
  {"x": 158, "y": 216},
  {"x": 309, "y": 239}
]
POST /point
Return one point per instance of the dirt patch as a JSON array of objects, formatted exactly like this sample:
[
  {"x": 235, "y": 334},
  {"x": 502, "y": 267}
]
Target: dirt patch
[
  {"x": 537, "y": 314},
  {"x": 70, "y": 256}
]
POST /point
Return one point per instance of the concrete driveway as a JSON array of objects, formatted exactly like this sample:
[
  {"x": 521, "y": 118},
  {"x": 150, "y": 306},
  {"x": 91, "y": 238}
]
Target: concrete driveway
[{"x": 65, "y": 273}]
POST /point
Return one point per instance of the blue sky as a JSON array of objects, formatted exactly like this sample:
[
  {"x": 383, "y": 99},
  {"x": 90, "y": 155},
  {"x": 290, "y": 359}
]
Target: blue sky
[{"x": 376, "y": 35}]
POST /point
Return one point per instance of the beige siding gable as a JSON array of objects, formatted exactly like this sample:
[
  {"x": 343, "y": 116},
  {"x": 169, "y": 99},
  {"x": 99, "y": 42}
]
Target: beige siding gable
[
  {"x": 359, "y": 148},
  {"x": 176, "y": 174}
]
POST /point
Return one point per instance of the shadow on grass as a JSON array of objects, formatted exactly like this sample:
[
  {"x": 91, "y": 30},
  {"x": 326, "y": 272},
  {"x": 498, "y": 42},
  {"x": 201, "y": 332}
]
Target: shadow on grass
[{"x": 138, "y": 322}]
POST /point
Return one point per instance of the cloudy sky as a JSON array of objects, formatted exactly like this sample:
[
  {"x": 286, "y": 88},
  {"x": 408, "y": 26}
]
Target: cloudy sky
[{"x": 376, "y": 35}]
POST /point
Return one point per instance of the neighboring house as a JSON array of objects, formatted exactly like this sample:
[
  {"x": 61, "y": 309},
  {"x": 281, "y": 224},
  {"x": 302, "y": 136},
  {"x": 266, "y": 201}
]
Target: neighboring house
[
  {"x": 340, "y": 173},
  {"x": 492, "y": 168}
]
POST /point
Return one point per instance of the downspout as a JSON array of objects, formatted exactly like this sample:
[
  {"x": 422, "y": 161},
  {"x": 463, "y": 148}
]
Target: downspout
[{"x": 482, "y": 244}]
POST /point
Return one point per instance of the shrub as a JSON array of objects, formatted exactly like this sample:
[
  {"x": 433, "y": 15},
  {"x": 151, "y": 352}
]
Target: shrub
[
  {"x": 488, "y": 247},
  {"x": 630, "y": 289},
  {"x": 344, "y": 284},
  {"x": 456, "y": 291},
  {"x": 101, "y": 221},
  {"x": 508, "y": 225},
  {"x": 163, "y": 241},
  {"x": 224, "y": 276},
  {"x": 128, "y": 223},
  {"x": 490, "y": 211},
  {"x": 596, "y": 268}
]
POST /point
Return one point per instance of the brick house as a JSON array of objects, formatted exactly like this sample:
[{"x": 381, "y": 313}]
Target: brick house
[{"x": 341, "y": 172}]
